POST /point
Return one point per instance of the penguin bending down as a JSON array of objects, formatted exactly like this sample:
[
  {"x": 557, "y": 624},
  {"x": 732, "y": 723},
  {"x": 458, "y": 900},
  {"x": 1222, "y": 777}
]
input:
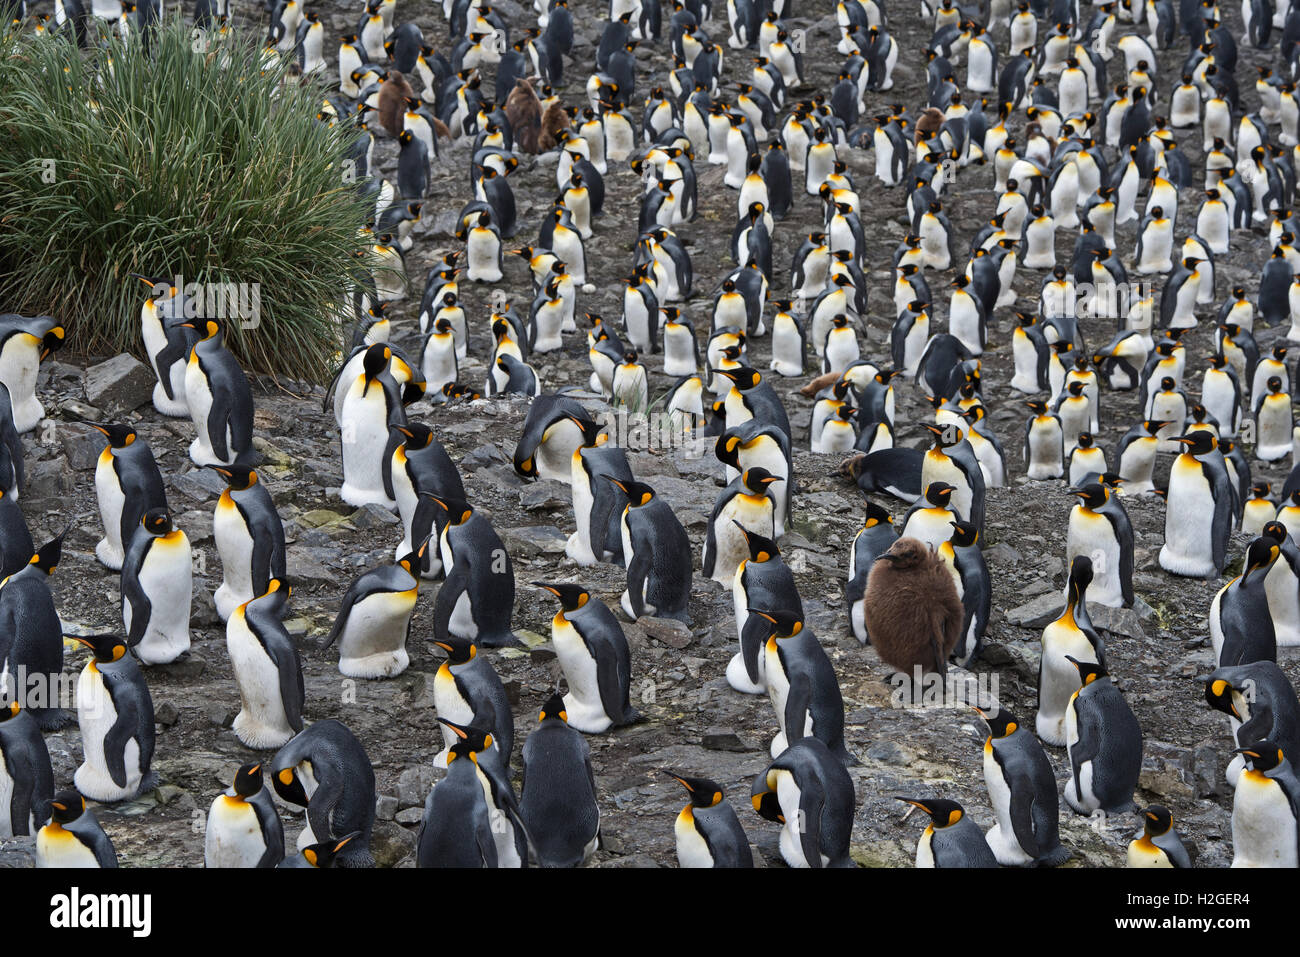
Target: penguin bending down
[
  {"x": 326, "y": 770},
  {"x": 467, "y": 690},
  {"x": 593, "y": 653},
  {"x": 115, "y": 712},
  {"x": 808, "y": 790},
  {"x": 951, "y": 839},
  {"x": 1261, "y": 704},
  {"x": 374, "y": 620}
]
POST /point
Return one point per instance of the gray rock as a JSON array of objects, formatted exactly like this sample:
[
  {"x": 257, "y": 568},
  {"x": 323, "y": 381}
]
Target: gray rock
[
  {"x": 372, "y": 516},
  {"x": 81, "y": 444},
  {"x": 724, "y": 739},
  {"x": 386, "y": 807},
  {"x": 51, "y": 478},
  {"x": 545, "y": 495},
  {"x": 390, "y": 843},
  {"x": 887, "y": 752},
  {"x": 18, "y": 852},
  {"x": 410, "y": 815},
  {"x": 121, "y": 384},
  {"x": 166, "y": 714},
  {"x": 1117, "y": 621},
  {"x": 1038, "y": 612},
  {"x": 669, "y": 631},
  {"x": 199, "y": 484},
  {"x": 413, "y": 786},
  {"x": 186, "y": 666},
  {"x": 484, "y": 456},
  {"x": 532, "y": 540},
  {"x": 222, "y": 715}
]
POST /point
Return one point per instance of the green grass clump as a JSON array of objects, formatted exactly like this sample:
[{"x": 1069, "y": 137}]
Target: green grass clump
[{"x": 192, "y": 158}]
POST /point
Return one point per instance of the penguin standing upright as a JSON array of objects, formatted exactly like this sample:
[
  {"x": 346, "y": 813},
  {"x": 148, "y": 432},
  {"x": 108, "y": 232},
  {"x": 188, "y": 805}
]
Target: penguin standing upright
[
  {"x": 26, "y": 776},
  {"x": 73, "y": 837},
  {"x": 219, "y": 399},
  {"x": 467, "y": 690},
  {"x": 962, "y": 554},
  {"x": 167, "y": 342},
  {"x": 593, "y": 653},
  {"x": 808, "y": 790},
  {"x": 1199, "y": 514},
  {"x": 249, "y": 536},
  {"x": 801, "y": 684},
  {"x": 157, "y": 590},
  {"x": 1159, "y": 845},
  {"x": 268, "y": 671},
  {"x": 1071, "y": 637},
  {"x": 326, "y": 770},
  {"x": 1241, "y": 627},
  {"x": 374, "y": 619},
  {"x": 1265, "y": 810},
  {"x": 115, "y": 712},
  {"x": 1022, "y": 791},
  {"x": 243, "y": 827},
  {"x": 871, "y": 541},
  {"x": 558, "y": 797},
  {"x": 1104, "y": 743},
  {"x": 1099, "y": 527},
  {"x": 127, "y": 484},
  {"x": 477, "y": 599},
  {"x": 31, "y": 635},
  {"x": 707, "y": 830},
  {"x": 370, "y": 405},
  {"x": 762, "y": 580},
  {"x": 951, "y": 839},
  {"x": 745, "y": 504},
  {"x": 654, "y": 543}
]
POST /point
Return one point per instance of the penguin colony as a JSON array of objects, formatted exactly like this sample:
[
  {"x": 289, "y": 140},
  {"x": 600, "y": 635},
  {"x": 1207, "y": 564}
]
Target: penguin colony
[{"x": 1093, "y": 137}]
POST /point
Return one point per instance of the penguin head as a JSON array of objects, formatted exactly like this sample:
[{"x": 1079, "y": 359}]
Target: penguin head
[
  {"x": 590, "y": 430},
  {"x": 964, "y": 534},
  {"x": 553, "y": 708},
  {"x": 1001, "y": 722},
  {"x": 942, "y": 813},
  {"x": 877, "y": 514},
  {"x": 1156, "y": 821},
  {"x": 212, "y": 330},
  {"x": 8, "y": 709},
  {"x": 325, "y": 853},
  {"x": 757, "y": 480},
  {"x": 413, "y": 560},
  {"x": 106, "y": 648},
  {"x": 1152, "y": 426},
  {"x": 905, "y": 553},
  {"x": 51, "y": 341},
  {"x": 458, "y": 510},
  {"x": 239, "y": 477},
  {"x": 1274, "y": 385},
  {"x": 119, "y": 436},
  {"x": 1093, "y": 495},
  {"x": 939, "y": 494},
  {"x": 248, "y": 780},
  {"x": 1219, "y": 696},
  {"x": 1274, "y": 530},
  {"x": 572, "y": 596},
  {"x": 704, "y": 793},
  {"x": 1089, "y": 671},
  {"x": 638, "y": 493},
  {"x": 48, "y": 555},
  {"x": 470, "y": 741},
  {"x": 157, "y": 522},
  {"x": 1085, "y": 440},
  {"x": 1080, "y": 579},
  {"x": 763, "y": 796},
  {"x": 1260, "y": 555},
  {"x": 66, "y": 807},
  {"x": 1036, "y": 406},
  {"x": 945, "y": 436},
  {"x": 1199, "y": 443},
  {"x": 785, "y": 623},
  {"x": 761, "y": 548},
  {"x": 416, "y": 435},
  {"x": 459, "y": 650},
  {"x": 1263, "y": 756}
]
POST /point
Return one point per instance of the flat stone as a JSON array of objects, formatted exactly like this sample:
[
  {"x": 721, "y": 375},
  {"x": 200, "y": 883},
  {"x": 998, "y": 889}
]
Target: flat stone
[
  {"x": 484, "y": 456},
  {"x": 390, "y": 843},
  {"x": 372, "y": 515},
  {"x": 723, "y": 739},
  {"x": 199, "y": 484},
  {"x": 122, "y": 384},
  {"x": 531, "y": 540},
  {"x": 386, "y": 807},
  {"x": 545, "y": 495},
  {"x": 166, "y": 714},
  {"x": 668, "y": 631},
  {"x": 51, "y": 478},
  {"x": 187, "y": 666},
  {"x": 413, "y": 786},
  {"x": 1038, "y": 612},
  {"x": 410, "y": 815},
  {"x": 1117, "y": 621}
]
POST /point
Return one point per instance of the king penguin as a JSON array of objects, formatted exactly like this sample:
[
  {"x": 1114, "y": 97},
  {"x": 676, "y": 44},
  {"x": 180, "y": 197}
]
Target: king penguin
[
  {"x": 249, "y": 536},
  {"x": 1159, "y": 844},
  {"x": 477, "y": 599},
  {"x": 594, "y": 655},
  {"x": 26, "y": 776},
  {"x": 1265, "y": 810},
  {"x": 762, "y": 580},
  {"x": 558, "y": 797},
  {"x": 243, "y": 828},
  {"x": 707, "y": 830},
  {"x": 157, "y": 588},
  {"x": 1022, "y": 792},
  {"x": 374, "y": 619},
  {"x": 1069, "y": 638},
  {"x": 808, "y": 790},
  {"x": 73, "y": 837},
  {"x": 467, "y": 690},
  {"x": 951, "y": 839},
  {"x": 268, "y": 670},
  {"x": 1199, "y": 514},
  {"x": 127, "y": 484},
  {"x": 1104, "y": 743},
  {"x": 220, "y": 401},
  {"x": 31, "y": 635},
  {"x": 115, "y": 712},
  {"x": 654, "y": 546}
]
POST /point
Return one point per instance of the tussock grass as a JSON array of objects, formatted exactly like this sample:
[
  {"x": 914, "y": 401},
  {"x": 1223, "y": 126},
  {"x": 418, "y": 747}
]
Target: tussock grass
[{"x": 193, "y": 158}]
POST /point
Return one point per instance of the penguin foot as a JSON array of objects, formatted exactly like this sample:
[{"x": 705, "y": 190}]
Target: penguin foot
[
  {"x": 1055, "y": 857},
  {"x": 258, "y": 735},
  {"x": 738, "y": 678},
  {"x": 52, "y": 719},
  {"x": 172, "y": 408},
  {"x": 109, "y": 554},
  {"x": 384, "y": 664}
]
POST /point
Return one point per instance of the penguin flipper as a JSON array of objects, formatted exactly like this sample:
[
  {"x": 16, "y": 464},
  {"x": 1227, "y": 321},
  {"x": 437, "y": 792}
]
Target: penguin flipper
[
  {"x": 455, "y": 585},
  {"x": 171, "y": 353},
  {"x": 341, "y": 621},
  {"x": 115, "y": 741},
  {"x": 638, "y": 570},
  {"x": 141, "y": 607},
  {"x": 810, "y": 834},
  {"x": 20, "y": 803},
  {"x": 613, "y": 678},
  {"x": 1023, "y": 800},
  {"x": 1088, "y": 747},
  {"x": 219, "y": 417},
  {"x": 289, "y": 669}
]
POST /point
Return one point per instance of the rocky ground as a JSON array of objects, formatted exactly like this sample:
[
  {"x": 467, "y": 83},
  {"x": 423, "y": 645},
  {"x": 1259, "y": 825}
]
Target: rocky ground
[{"x": 692, "y": 721}]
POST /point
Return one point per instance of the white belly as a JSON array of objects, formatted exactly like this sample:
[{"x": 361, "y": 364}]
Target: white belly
[
  {"x": 96, "y": 716},
  {"x": 166, "y": 577},
  {"x": 232, "y": 837},
  {"x": 1263, "y": 828},
  {"x": 261, "y": 722},
  {"x": 373, "y": 642}
]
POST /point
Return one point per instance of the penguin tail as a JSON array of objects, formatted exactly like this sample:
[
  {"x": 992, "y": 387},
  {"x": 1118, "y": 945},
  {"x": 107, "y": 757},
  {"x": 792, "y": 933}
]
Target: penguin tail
[
  {"x": 843, "y": 754},
  {"x": 508, "y": 640},
  {"x": 631, "y": 716},
  {"x": 52, "y": 719},
  {"x": 1055, "y": 857}
]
